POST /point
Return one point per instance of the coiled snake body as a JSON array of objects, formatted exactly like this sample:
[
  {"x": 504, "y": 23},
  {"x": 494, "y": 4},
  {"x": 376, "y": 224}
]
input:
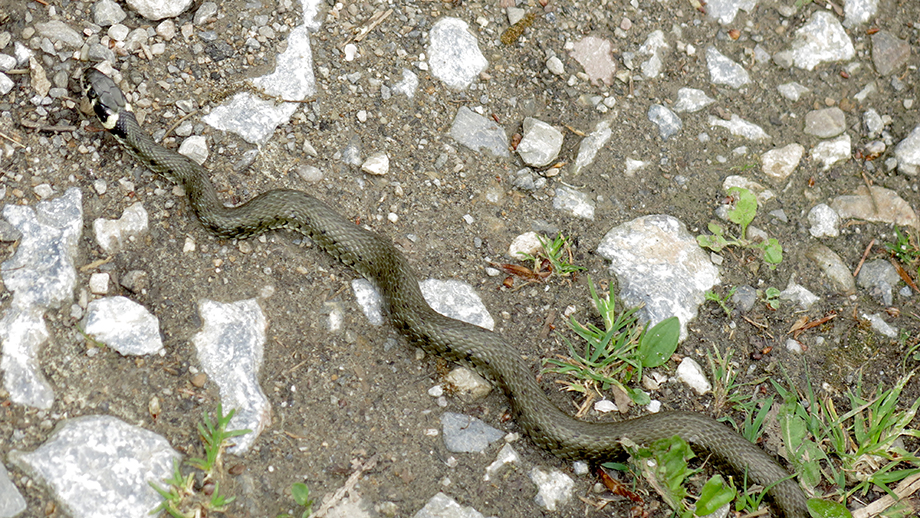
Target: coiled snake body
[{"x": 377, "y": 259}]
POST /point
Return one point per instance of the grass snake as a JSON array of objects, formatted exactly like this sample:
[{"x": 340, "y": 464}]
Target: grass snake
[{"x": 377, "y": 259}]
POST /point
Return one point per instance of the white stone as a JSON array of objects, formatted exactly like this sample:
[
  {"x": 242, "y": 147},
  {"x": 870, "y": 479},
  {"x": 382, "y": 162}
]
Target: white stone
[
  {"x": 792, "y": 91},
  {"x": 821, "y": 40},
  {"x": 377, "y": 164},
  {"x": 526, "y": 243},
  {"x": 351, "y": 50},
  {"x": 507, "y": 455},
  {"x": 724, "y": 71},
  {"x": 605, "y": 405},
  {"x": 830, "y": 152},
  {"x": 856, "y": 12},
  {"x": 540, "y": 144},
  {"x": 690, "y": 372},
  {"x": 739, "y": 127},
  {"x": 590, "y": 145},
  {"x": 691, "y": 100},
  {"x": 779, "y": 163},
  {"x": 99, "y": 283},
  {"x": 195, "y": 147},
  {"x": 824, "y": 221},
  {"x": 158, "y": 9},
  {"x": 554, "y": 65},
  {"x": 553, "y": 488},
  {"x": 454, "y": 54},
  {"x": 908, "y": 153},
  {"x": 112, "y": 234},
  {"x": 469, "y": 385},
  {"x": 879, "y": 324},
  {"x": 632, "y": 166},
  {"x": 574, "y": 202},
  {"x": 124, "y": 325}
]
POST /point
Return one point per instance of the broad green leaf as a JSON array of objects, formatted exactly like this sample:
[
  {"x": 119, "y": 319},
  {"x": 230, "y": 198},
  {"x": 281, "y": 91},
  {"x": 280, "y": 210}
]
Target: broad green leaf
[
  {"x": 745, "y": 209},
  {"x": 301, "y": 493},
  {"x": 772, "y": 253},
  {"x": 818, "y": 508},
  {"x": 714, "y": 495},
  {"x": 659, "y": 343},
  {"x": 715, "y": 228}
]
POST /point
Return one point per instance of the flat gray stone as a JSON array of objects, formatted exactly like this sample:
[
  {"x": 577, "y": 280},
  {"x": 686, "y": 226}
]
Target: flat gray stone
[
  {"x": 107, "y": 12},
  {"x": 293, "y": 78},
  {"x": 724, "y": 71},
  {"x": 825, "y": 123},
  {"x": 124, "y": 325},
  {"x": 740, "y": 127},
  {"x": 659, "y": 264},
  {"x": 821, "y": 40},
  {"x": 883, "y": 205},
  {"x": 479, "y": 133},
  {"x": 669, "y": 124},
  {"x": 453, "y": 53},
  {"x": 230, "y": 348},
  {"x": 466, "y": 434},
  {"x": 879, "y": 278},
  {"x": 833, "y": 267},
  {"x": 724, "y": 11},
  {"x": 101, "y": 466},
  {"x": 451, "y": 298},
  {"x": 249, "y": 116},
  {"x": 779, "y": 163},
  {"x": 792, "y": 91},
  {"x": 58, "y": 31}
]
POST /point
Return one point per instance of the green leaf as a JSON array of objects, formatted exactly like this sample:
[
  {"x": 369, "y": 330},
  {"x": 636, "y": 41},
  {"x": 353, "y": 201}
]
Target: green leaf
[
  {"x": 818, "y": 508},
  {"x": 714, "y": 495},
  {"x": 715, "y": 228},
  {"x": 745, "y": 209},
  {"x": 301, "y": 493},
  {"x": 772, "y": 253},
  {"x": 658, "y": 343}
]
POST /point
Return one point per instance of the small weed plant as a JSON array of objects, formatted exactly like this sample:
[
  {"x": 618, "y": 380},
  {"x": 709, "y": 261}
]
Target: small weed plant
[
  {"x": 301, "y": 494},
  {"x": 558, "y": 253},
  {"x": 742, "y": 214},
  {"x": 771, "y": 298},
  {"x": 905, "y": 249},
  {"x": 615, "y": 354},
  {"x": 181, "y": 498},
  {"x": 722, "y": 302}
]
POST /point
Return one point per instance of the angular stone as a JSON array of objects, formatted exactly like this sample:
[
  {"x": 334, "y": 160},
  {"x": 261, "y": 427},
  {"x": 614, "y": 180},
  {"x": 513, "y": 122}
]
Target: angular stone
[
  {"x": 740, "y": 127},
  {"x": 724, "y": 71},
  {"x": 595, "y": 55},
  {"x": 230, "y": 348},
  {"x": 825, "y": 123},
  {"x": 442, "y": 506},
  {"x": 879, "y": 278},
  {"x": 101, "y": 466},
  {"x": 659, "y": 265},
  {"x": 11, "y": 501},
  {"x": 112, "y": 234},
  {"x": 574, "y": 202},
  {"x": 792, "y": 91},
  {"x": 479, "y": 133},
  {"x": 58, "y": 31},
  {"x": 824, "y": 221},
  {"x": 540, "y": 144},
  {"x": 590, "y": 145},
  {"x": 158, "y": 9},
  {"x": 779, "y": 163},
  {"x": 724, "y": 11},
  {"x": 669, "y": 124},
  {"x": 691, "y": 100},
  {"x": 466, "y": 434},
  {"x": 553, "y": 488},
  {"x": 107, "y": 12},
  {"x": 451, "y": 298},
  {"x": 377, "y": 164},
  {"x": 889, "y": 53},
  {"x": 858, "y": 11},
  {"x": 830, "y": 152},
  {"x": 454, "y": 54},
  {"x": 124, "y": 325},
  {"x": 908, "y": 153},
  {"x": 655, "y": 47},
  {"x": 821, "y": 40}
]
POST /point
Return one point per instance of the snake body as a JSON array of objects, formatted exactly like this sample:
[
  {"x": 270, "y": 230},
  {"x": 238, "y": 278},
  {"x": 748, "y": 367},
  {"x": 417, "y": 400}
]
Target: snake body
[{"x": 378, "y": 260}]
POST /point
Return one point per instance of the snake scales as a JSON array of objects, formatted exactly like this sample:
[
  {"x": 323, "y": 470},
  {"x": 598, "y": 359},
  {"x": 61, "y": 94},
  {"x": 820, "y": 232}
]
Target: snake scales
[{"x": 377, "y": 259}]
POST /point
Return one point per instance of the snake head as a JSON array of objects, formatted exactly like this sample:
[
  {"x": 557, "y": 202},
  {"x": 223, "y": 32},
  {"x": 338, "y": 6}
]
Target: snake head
[{"x": 106, "y": 98}]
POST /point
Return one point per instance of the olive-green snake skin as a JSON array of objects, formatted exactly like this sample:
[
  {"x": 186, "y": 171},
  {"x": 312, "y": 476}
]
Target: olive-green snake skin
[{"x": 377, "y": 259}]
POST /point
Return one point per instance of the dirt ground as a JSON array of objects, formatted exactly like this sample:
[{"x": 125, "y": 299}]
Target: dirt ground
[{"x": 341, "y": 397}]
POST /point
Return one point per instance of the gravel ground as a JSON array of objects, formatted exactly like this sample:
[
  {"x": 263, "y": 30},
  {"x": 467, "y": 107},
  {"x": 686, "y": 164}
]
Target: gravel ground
[{"x": 341, "y": 396}]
